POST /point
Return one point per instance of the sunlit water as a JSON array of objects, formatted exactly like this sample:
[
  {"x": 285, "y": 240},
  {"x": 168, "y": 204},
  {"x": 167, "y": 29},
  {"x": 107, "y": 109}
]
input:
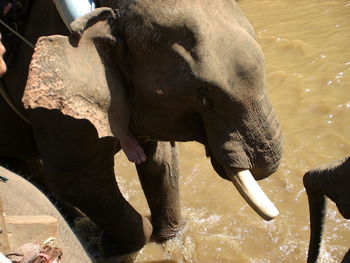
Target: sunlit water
[{"x": 307, "y": 51}]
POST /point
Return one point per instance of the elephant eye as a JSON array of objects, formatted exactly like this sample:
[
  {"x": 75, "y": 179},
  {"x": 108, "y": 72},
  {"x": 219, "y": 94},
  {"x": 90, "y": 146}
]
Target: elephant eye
[{"x": 203, "y": 98}]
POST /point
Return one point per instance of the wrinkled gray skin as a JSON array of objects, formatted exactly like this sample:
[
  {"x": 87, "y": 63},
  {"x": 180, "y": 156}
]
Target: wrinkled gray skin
[
  {"x": 193, "y": 71},
  {"x": 331, "y": 180},
  {"x": 19, "y": 197}
]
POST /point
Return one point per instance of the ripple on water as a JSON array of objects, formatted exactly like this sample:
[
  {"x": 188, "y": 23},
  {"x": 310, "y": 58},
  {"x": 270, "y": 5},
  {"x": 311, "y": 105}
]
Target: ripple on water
[{"x": 296, "y": 47}]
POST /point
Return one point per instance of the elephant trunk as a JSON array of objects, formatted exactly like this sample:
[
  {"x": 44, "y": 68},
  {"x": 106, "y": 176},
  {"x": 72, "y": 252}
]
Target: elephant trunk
[
  {"x": 248, "y": 150},
  {"x": 263, "y": 136},
  {"x": 317, "y": 210}
]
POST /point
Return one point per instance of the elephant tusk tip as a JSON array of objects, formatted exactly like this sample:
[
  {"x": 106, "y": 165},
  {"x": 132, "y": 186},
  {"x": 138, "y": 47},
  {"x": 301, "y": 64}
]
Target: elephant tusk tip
[
  {"x": 253, "y": 194},
  {"x": 267, "y": 211},
  {"x": 272, "y": 214}
]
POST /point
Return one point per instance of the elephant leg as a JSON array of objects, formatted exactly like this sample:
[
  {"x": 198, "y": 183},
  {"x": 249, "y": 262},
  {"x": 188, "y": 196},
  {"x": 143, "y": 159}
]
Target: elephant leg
[
  {"x": 159, "y": 177},
  {"x": 346, "y": 258},
  {"x": 317, "y": 209},
  {"x": 80, "y": 170},
  {"x": 330, "y": 180}
]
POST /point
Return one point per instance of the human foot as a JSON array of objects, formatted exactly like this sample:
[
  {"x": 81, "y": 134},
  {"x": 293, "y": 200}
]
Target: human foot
[
  {"x": 3, "y": 67},
  {"x": 132, "y": 149},
  {"x": 7, "y": 9}
]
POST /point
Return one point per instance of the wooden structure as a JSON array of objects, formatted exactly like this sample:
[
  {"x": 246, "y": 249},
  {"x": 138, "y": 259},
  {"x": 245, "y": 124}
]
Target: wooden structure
[
  {"x": 18, "y": 230},
  {"x": 4, "y": 243}
]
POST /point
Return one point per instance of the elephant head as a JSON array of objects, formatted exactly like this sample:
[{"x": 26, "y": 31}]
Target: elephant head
[
  {"x": 187, "y": 76},
  {"x": 331, "y": 180}
]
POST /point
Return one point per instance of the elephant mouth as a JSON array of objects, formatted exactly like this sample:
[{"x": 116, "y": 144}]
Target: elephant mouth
[{"x": 250, "y": 190}]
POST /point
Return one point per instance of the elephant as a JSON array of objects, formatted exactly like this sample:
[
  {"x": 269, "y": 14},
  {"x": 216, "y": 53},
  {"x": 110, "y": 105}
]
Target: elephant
[
  {"x": 191, "y": 71},
  {"x": 330, "y": 180},
  {"x": 20, "y": 198}
]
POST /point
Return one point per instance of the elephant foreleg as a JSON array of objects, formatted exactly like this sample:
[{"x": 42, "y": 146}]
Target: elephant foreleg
[
  {"x": 80, "y": 170},
  {"x": 159, "y": 177}
]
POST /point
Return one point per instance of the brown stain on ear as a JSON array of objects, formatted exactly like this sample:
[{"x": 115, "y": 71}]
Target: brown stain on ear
[
  {"x": 52, "y": 84},
  {"x": 68, "y": 73}
]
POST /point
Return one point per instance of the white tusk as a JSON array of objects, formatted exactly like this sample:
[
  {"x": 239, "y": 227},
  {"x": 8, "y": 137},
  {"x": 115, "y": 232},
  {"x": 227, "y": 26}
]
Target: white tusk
[{"x": 253, "y": 194}]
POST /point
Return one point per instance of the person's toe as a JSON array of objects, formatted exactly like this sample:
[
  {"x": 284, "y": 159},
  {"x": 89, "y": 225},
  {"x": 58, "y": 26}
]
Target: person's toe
[
  {"x": 7, "y": 9},
  {"x": 143, "y": 157},
  {"x": 137, "y": 159}
]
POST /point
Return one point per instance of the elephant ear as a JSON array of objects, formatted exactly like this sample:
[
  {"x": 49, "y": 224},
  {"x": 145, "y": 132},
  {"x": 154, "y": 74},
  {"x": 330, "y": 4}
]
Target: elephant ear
[{"x": 73, "y": 74}]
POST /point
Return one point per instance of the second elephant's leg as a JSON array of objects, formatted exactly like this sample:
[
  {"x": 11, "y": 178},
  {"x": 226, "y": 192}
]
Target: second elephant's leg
[
  {"x": 159, "y": 177},
  {"x": 80, "y": 170},
  {"x": 346, "y": 258}
]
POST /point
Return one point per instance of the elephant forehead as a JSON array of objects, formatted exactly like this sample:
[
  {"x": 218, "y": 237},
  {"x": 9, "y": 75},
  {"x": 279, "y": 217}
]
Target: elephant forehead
[
  {"x": 179, "y": 13},
  {"x": 213, "y": 37}
]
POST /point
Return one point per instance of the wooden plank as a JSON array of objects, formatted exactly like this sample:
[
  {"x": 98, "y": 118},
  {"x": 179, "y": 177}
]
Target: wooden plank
[
  {"x": 33, "y": 229},
  {"x": 4, "y": 242}
]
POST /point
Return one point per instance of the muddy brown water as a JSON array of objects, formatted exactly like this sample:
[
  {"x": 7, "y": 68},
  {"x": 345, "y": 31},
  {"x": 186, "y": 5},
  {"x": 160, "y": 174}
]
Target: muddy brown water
[{"x": 307, "y": 50}]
